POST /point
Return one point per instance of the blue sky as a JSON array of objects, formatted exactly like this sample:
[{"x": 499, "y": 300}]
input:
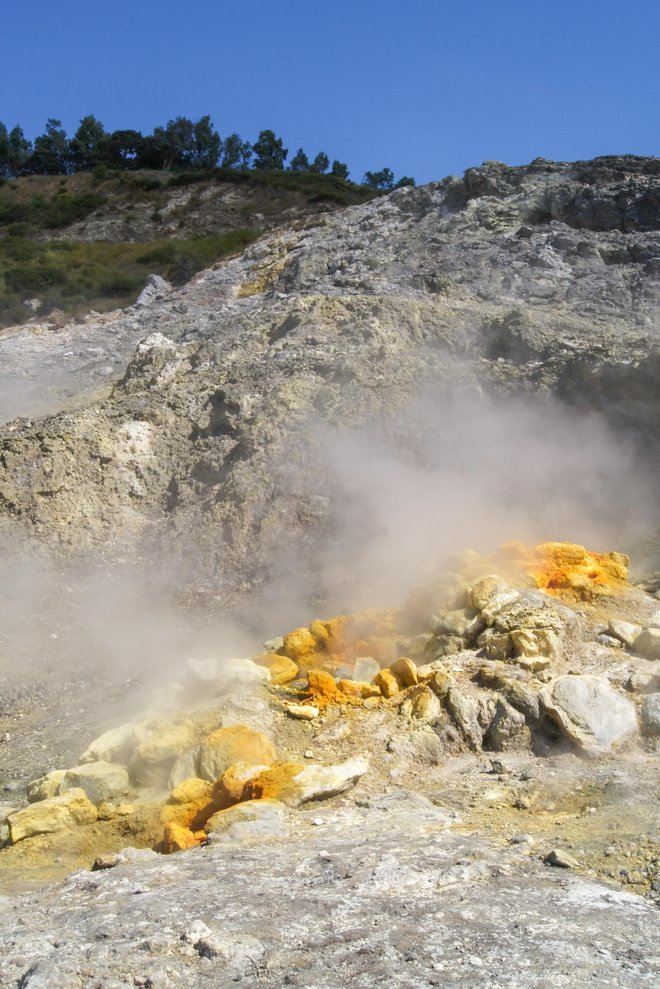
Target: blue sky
[{"x": 427, "y": 88}]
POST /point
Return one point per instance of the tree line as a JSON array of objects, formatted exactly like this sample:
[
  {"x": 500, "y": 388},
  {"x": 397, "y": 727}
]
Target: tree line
[{"x": 181, "y": 144}]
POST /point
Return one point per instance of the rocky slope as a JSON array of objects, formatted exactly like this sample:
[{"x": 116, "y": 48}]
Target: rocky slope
[
  {"x": 302, "y": 429},
  {"x": 206, "y": 410}
]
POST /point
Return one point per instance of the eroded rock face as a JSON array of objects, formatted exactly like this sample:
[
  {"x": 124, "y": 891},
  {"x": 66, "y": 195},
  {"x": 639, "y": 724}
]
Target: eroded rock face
[{"x": 534, "y": 279}]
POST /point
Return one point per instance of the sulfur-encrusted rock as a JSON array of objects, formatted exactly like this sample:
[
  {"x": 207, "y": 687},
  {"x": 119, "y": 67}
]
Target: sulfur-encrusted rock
[
  {"x": 46, "y": 786},
  {"x": 59, "y": 813},
  {"x": 647, "y": 643},
  {"x": 387, "y": 683},
  {"x": 177, "y": 838},
  {"x": 405, "y": 672},
  {"x": 160, "y": 741},
  {"x": 281, "y": 668},
  {"x": 590, "y": 712},
  {"x": 229, "y": 788},
  {"x": 99, "y": 780},
  {"x": 300, "y": 644},
  {"x": 237, "y": 743},
  {"x": 482, "y": 591},
  {"x": 294, "y": 783},
  {"x": 191, "y": 790},
  {"x": 422, "y": 705}
]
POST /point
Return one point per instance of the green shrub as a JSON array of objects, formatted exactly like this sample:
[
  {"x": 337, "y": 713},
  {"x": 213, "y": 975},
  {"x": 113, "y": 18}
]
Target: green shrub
[
  {"x": 23, "y": 278},
  {"x": 118, "y": 285}
]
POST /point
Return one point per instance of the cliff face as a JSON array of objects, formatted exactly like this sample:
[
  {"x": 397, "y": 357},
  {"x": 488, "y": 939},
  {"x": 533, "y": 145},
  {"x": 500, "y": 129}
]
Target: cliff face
[{"x": 201, "y": 421}]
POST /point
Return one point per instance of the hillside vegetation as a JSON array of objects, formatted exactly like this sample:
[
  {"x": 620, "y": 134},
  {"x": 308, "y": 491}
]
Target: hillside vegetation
[{"x": 88, "y": 241}]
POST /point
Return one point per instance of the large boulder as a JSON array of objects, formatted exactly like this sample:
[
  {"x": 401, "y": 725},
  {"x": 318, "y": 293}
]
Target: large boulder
[
  {"x": 49, "y": 816},
  {"x": 590, "y": 712}
]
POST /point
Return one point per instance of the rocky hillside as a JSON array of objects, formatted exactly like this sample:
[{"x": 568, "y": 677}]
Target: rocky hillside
[
  {"x": 222, "y": 407},
  {"x": 73, "y": 243},
  {"x": 445, "y": 785}
]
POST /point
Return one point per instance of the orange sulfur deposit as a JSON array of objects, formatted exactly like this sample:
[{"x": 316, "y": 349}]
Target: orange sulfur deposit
[
  {"x": 326, "y": 645},
  {"x": 566, "y": 569}
]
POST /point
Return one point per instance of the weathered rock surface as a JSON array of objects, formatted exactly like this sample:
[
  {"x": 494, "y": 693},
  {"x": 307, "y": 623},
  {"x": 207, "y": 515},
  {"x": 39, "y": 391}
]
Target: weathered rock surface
[
  {"x": 300, "y": 911},
  {"x": 589, "y": 712},
  {"x": 99, "y": 780},
  {"x": 51, "y": 815},
  {"x": 237, "y": 743},
  {"x": 540, "y": 278},
  {"x": 647, "y": 643}
]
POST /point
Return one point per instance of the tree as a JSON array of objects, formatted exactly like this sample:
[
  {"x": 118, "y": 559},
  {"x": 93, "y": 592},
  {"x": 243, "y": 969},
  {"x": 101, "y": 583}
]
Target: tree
[
  {"x": 270, "y": 152},
  {"x": 405, "y": 180},
  {"x": 320, "y": 163},
  {"x": 207, "y": 144},
  {"x": 380, "y": 180},
  {"x": 236, "y": 152},
  {"x": 299, "y": 162},
  {"x": 173, "y": 144},
  {"x": 84, "y": 145},
  {"x": 339, "y": 170},
  {"x": 50, "y": 154},
  {"x": 5, "y": 173},
  {"x": 121, "y": 149},
  {"x": 20, "y": 150}
]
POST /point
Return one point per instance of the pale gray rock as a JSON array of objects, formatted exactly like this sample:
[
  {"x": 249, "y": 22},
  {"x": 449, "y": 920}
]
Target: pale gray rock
[
  {"x": 321, "y": 782},
  {"x": 299, "y": 908},
  {"x": 155, "y": 289},
  {"x": 647, "y": 643},
  {"x": 625, "y": 632},
  {"x": 464, "y": 712},
  {"x": 650, "y": 714},
  {"x": 114, "y": 745},
  {"x": 507, "y": 729},
  {"x": 250, "y": 819},
  {"x": 589, "y": 712},
  {"x": 562, "y": 859},
  {"x": 365, "y": 669}
]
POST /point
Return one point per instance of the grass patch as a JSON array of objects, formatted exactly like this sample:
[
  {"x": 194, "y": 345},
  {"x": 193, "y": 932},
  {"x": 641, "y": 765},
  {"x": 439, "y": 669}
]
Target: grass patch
[
  {"x": 49, "y": 214},
  {"x": 77, "y": 276}
]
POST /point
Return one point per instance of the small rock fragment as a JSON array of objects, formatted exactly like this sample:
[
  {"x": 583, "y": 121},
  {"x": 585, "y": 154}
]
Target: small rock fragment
[
  {"x": 387, "y": 683},
  {"x": 647, "y": 643},
  {"x": 304, "y": 712},
  {"x": 561, "y": 859},
  {"x": 625, "y": 632},
  {"x": 405, "y": 672}
]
